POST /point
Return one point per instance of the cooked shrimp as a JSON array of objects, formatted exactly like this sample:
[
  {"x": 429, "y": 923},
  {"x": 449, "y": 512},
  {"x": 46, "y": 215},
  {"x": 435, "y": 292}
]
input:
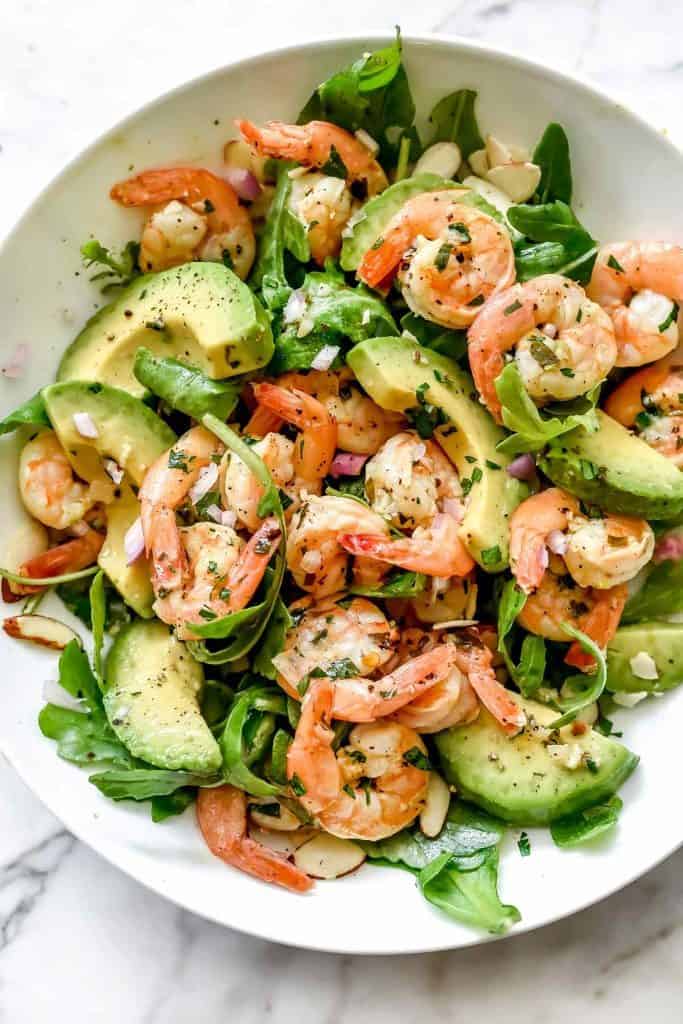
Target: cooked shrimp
[
  {"x": 651, "y": 400},
  {"x": 370, "y": 788},
  {"x": 362, "y": 425},
  {"x": 222, "y": 817},
  {"x": 475, "y": 660},
  {"x": 315, "y": 557},
  {"x": 564, "y": 343},
  {"x": 165, "y": 487},
  {"x": 324, "y": 205},
  {"x": 69, "y": 556},
  {"x": 450, "y": 702},
  {"x": 221, "y": 574},
  {"x": 435, "y": 550},
  {"x": 597, "y": 552},
  {"x": 315, "y": 447},
  {"x": 640, "y": 284},
  {"x": 312, "y": 145},
  {"x": 241, "y": 490},
  {"x": 444, "y": 600},
  {"x": 558, "y": 599},
  {"x": 209, "y": 223},
  {"x": 451, "y": 258},
  {"x": 48, "y": 488}
]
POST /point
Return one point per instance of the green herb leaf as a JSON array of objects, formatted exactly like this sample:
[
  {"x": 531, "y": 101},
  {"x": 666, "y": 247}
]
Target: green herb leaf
[
  {"x": 524, "y": 845},
  {"x": 32, "y": 413},
  {"x": 449, "y": 343},
  {"x": 561, "y": 243},
  {"x": 454, "y": 120},
  {"x": 660, "y": 596},
  {"x": 98, "y": 615},
  {"x": 581, "y": 690},
  {"x": 583, "y": 826},
  {"x": 529, "y": 672},
  {"x": 398, "y": 584},
  {"x": 145, "y": 783},
  {"x": 283, "y": 232},
  {"x": 119, "y": 270},
  {"x": 184, "y": 387},
  {"x": 233, "y": 741},
  {"x": 552, "y": 156}
]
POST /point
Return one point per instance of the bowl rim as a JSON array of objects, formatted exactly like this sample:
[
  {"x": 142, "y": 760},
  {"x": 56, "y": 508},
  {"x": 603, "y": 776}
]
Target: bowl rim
[{"x": 513, "y": 58}]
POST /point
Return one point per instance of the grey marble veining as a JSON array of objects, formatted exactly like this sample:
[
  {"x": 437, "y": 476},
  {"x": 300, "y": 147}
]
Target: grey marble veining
[{"x": 79, "y": 941}]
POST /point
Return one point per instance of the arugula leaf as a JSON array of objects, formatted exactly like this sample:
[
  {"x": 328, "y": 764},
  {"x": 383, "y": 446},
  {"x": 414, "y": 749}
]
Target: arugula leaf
[
  {"x": 233, "y": 740},
  {"x": 282, "y": 232},
  {"x": 529, "y": 673},
  {"x": 349, "y": 488},
  {"x": 585, "y": 825},
  {"x": 333, "y": 314},
  {"x": 145, "y": 783},
  {"x": 467, "y": 831},
  {"x": 273, "y": 640},
  {"x": 185, "y": 387},
  {"x": 98, "y": 615},
  {"x": 562, "y": 244},
  {"x": 164, "y": 807},
  {"x": 76, "y": 596},
  {"x": 278, "y": 757},
  {"x": 32, "y": 413},
  {"x": 552, "y": 156},
  {"x": 532, "y": 427},
  {"x": 581, "y": 690},
  {"x": 425, "y": 417},
  {"x": 373, "y": 94},
  {"x": 454, "y": 120},
  {"x": 397, "y": 584},
  {"x": 119, "y": 270},
  {"x": 448, "y": 343},
  {"x": 660, "y": 596}
]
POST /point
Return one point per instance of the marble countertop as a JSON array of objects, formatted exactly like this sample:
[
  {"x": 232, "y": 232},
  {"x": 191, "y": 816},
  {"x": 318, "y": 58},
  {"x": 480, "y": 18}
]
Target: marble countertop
[{"x": 78, "y": 939}]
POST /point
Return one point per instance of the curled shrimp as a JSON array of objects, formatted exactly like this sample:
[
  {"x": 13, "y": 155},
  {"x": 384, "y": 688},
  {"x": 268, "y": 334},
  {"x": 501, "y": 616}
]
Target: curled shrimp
[
  {"x": 203, "y": 219},
  {"x": 70, "y": 556},
  {"x": 450, "y": 702},
  {"x": 240, "y": 489},
  {"x": 315, "y": 556},
  {"x": 451, "y": 258},
  {"x": 221, "y": 574},
  {"x": 640, "y": 284},
  {"x": 563, "y": 343},
  {"x": 650, "y": 401},
  {"x": 48, "y": 488},
  {"x": 165, "y": 487},
  {"x": 312, "y": 144},
  {"x": 370, "y": 788},
  {"x": 315, "y": 447},
  {"x": 444, "y": 600},
  {"x": 596, "y": 612},
  {"x": 435, "y": 550},
  {"x": 222, "y": 818},
  {"x": 597, "y": 552},
  {"x": 324, "y": 205}
]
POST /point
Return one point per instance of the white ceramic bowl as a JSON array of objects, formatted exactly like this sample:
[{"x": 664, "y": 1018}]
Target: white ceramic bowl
[{"x": 629, "y": 183}]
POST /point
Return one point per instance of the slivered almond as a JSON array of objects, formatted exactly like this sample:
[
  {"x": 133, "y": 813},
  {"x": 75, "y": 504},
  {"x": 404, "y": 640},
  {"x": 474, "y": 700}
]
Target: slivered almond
[
  {"x": 479, "y": 162},
  {"x": 434, "y": 812},
  {"x": 518, "y": 180},
  {"x": 285, "y": 843},
  {"x": 327, "y": 856},
  {"x": 40, "y": 629}
]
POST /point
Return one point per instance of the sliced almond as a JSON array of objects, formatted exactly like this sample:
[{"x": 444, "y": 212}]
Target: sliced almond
[
  {"x": 434, "y": 812},
  {"x": 285, "y": 843},
  {"x": 479, "y": 162},
  {"x": 284, "y": 821},
  {"x": 40, "y": 629},
  {"x": 497, "y": 152},
  {"x": 327, "y": 856},
  {"x": 518, "y": 154},
  {"x": 443, "y": 158},
  {"x": 489, "y": 192},
  {"x": 518, "y": 181}
]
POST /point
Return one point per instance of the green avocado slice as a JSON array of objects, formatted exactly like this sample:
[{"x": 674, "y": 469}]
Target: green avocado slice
[
  {"x": 517, "y": 778},
  {"x": 616, "y": 470},
  {"x": 151, "y": 695},
  {"x": 392, "y": 370},
  {"x": 663, "y": 641},
  {"x": 128, "y": 431},
  {"x": 131, "y": 581},
  {"x": 199, "y": 313}
]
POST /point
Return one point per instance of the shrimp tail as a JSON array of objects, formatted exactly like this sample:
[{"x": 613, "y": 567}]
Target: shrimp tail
[
  {"x": 451, "y": 560},
  {"x": 600, "y": 625},
  {"x": 476, "y": 662},
  {"x": 76, "y": 554},
  {"x": 246, "y": 574}
]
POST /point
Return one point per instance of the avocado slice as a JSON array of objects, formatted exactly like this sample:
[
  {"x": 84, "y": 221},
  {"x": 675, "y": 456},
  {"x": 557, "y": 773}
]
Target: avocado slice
[
  {"x": 392, "y": 370},
  {"x": 128, "y": 431},
  {"x": 615, "y": 470},
  {"x": 663, "y": 641},
  {"x": 200, "y": 313},
  {"x": 131, "y": 581},
  {"x": 151, "y": 695},
  {"x": 518, "y": 780}
]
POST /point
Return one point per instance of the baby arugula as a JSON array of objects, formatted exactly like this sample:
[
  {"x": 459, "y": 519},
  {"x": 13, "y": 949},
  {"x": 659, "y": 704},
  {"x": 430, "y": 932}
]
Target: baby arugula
[{"x": 186, "y": 388}]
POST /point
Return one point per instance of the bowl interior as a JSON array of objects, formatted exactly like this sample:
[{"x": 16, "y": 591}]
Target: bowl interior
[{"x": 629, "y": 183}]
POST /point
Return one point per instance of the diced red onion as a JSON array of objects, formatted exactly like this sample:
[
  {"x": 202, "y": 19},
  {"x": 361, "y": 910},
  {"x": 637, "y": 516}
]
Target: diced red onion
[
  {"x": 523, "y": 467},
  {"x": 243, "y": 181},
  {"x": 557, "y": 542},
  {"x": 55, "y": 694},
  {"x": 295, "y": 308},
  {"x": 325, "y": 357},
  {"x": 419, "y": 452},
  {"x": 367, "y": 140},
  {"x": 134, "y": 542},
  {"x": 347, "y": 464},
  {"x": 228, "y": 517},
  {"x": 113, "y": 470},
  {"x": 16, "y": 364},
  {"x": 669, "y": 548},
  {"x": 214, "y": 512},
  {"x": 205, "y": 481},
  {"x": 550, "y": 330},
  {"x": 85, "y": 424},
  {"x": 453, "y": 508}
]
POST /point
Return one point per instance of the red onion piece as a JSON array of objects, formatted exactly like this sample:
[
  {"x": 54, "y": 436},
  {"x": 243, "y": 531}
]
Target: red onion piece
[
  {"x": 557, "y": 542},
  {"x": 523, "y": 467},
  {"x": 55, "y": 694},
  {"x": 347, "y": 464},
  {"x": 453, "y": 508},
  {"x": 205, "y": 481},
  {"x": 669, "y": 548},
  {"x": 16, "y": 364},
  {"x": 85, "y": 424},
  {"x": 228, "y": 517},
  {"x": 134, "y": 542},
  {"x": 325, "y": 357},
  {"x": 243, "y": 181},
  {"x": 295, "y": 307}
]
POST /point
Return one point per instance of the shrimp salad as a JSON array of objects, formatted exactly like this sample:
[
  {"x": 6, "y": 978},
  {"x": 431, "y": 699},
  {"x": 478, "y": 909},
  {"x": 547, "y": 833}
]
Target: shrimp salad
[{"x": 361, "y": 492}]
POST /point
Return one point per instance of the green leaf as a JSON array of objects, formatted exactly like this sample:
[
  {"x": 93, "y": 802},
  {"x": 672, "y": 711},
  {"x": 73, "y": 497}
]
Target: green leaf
[
  {"x": 184, "y": 387},
  {"x": 397, "y": 584},
  {"x": 233, "y": 740},
  {"x": 282, "y": 232},
  {"x": 373, "y": 94},
  {"x": 119, "y": 270},
  {"x": 448, "y": 343},
  {"x": 32, "y": 413},
  {"x": 98, "y": 615},
  {"x": 278, "y": 757},
  {"x": 563, "y": 244},
  {"x": 660, "y": 596},
  {"x": 588, "y": 824},
  {"x": 581, "y": 690},
  {"x": 145, "y": 783},
  {"x": 164, "y": 807},
  {"x": 454, "y": 120},
  {"x": 467, "y": 890},
  {"x": 552, "y": 156},
  {"x": 273, "y": 640},
  {"x": 533, "y": 428},
  {"x": 82, "y": 738},
  {"x": 77, "y": 678},
  {"x": 529, "y": 673}
]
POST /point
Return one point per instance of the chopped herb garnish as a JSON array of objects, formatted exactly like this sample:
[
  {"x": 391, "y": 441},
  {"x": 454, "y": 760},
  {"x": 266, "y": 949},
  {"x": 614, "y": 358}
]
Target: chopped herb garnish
[
  {"x": 417, "y": 758},
  {"x": 349, "y": 791},
  {"x": 643, "y": 420},
  {"x": 591, "y": 765},
  {"x": 478, "y": 300},
  {"x": 297, "y": 785},
  {"x": 303, "y": 684},
  {"x": 178, "y": 459},
  {"x": 207, "y": 613},
  {"x": 614, "y": 264},
  {"x": 463, "y": 234},
  {"x": 671, "y": 319},
  {"x": 227, "y": 259},
  {"x": 334, "y": 165},
  {"x": 566, "y": 371},
  {"x": 542, "y": 353},
  {"x": 272, "y": 810},
  {"x": 524, "y": 845},
  {"x": 477, "y": 474},
  {"x": 491, "y": 465},
  {"x": 491, "y": 556},
  {"x": 442, "y": 257},
  {"x": 357, "y": 755},
  {"x": 512, "y": 308}
]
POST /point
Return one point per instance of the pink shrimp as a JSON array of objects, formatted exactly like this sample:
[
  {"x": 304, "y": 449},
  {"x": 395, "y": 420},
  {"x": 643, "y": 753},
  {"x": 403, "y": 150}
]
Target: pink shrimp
[
  {"x": 70, "y": 556},
  {"x": 652, "y": 397},
  {"x": 315, "y": 448},
  {"x": 436, "y": 550}
]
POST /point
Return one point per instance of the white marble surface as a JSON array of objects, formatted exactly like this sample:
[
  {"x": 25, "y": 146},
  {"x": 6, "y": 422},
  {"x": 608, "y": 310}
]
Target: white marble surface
[{"x": 78, "y": 940}]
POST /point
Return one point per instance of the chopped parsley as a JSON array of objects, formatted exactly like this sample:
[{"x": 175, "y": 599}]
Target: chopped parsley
[
  {"x": 566, "y": 371},
  {"x": 542, "y": 353},
  {"x": 614, "y": 264},
  {"x": 417, "y": 759},
  {"x": 207, "y": 613},
  {"x": 297, "y": 785},
  {"x": 524, "y": 845},
  {"x": 671, "y": 319},
  {"x": 178, "y": 459},
  {"x": 334, "y": 165},
  {"x": 462, "y": 232},
  {"x": 442, "y": 257},
  {"x": 491, "y": 556},
  {"x": 512, "y": 308}
]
